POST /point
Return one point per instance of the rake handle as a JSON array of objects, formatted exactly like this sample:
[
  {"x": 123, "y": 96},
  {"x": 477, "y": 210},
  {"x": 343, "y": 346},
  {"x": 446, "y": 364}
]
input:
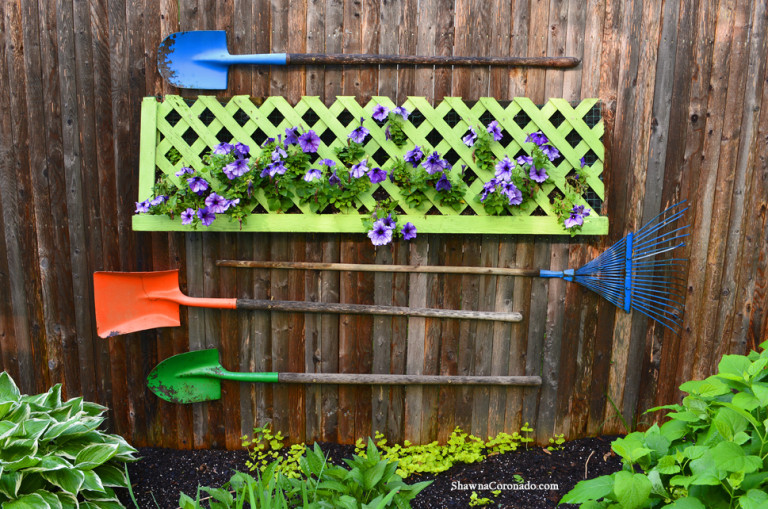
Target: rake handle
[
  {"x": 369, "y": 267},
  {"x": 369, "y": 309},
  {"x": 351, "y": 58}
]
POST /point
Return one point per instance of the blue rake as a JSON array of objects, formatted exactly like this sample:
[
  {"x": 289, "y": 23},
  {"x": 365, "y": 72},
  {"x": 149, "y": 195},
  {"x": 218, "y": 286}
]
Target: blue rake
[{"x": 630, "y": 276}]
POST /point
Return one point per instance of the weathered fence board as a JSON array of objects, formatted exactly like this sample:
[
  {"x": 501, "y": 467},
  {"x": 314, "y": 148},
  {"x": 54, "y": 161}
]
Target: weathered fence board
[{"x": 685, "y": 116}]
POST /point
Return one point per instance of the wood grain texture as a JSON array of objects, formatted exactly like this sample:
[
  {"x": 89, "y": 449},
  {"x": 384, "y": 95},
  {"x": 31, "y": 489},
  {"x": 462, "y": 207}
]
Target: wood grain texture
[{"x": 684, "y": 99}]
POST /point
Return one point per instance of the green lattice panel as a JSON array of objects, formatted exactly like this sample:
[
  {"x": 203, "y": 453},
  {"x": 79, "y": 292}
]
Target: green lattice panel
[{"x": 194, "y": 127}]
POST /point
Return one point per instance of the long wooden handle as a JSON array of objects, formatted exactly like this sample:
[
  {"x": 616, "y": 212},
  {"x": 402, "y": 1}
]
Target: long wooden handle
[
  {"x": 369, "y": 309},
  {"x": 389, "y": 379},
  {"x": 369, "y": 267},
  {"x": 351, "y": 58}
]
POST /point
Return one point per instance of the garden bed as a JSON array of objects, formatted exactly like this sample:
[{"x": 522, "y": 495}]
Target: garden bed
[{"x": 162, "y": 473}]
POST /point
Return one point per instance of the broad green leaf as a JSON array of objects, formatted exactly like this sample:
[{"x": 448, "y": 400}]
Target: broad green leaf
[
  {"x": 657, "y": 485},
  {"x": 730, "y": 457},
  {"x": 674, "y": 430},
  {"x": 591, "y": 489},
  {"x": 741, "y": 438},
  {"x": 735, "y": 479},
  {"x": 7, "y": 428},
  {"x": 19, "y": 414},
  {"x": 632, "y": 490},
  {"x": 705, "y": 471},
  {"x": 372, "y": 476},
  {"x": 101, "y": 504},
  {"x": 684, "y": 416},
  {"x": 757, "y": 367},
  {"x": 754, "y": 499},
  {"x": 755, "y": 480},
  {"x": 67, "y": 501},
  {"x": 745, "y": 401},
  {"x": 742, "y": 413},
  {"x": 347, "y": 502},
  {"x": 92, "y": 409},
  {"x": 33, "y": 500},
  {"x": 695, "y": 452},
  {"x": 657, "y": 442},
  {"x": 69, "y": 480},
  {"x": 728, "y": 423},
  {"x": 22, "y": 463},
  {"x": 708, "y": 388},
  {"x": 5, "y": 407},
  {"x": 51, "y": 499},
  {"x": 219, "y": 494},
  {"x": 8, "y": 389},
  {"x": 111, "y": 476},
  {"x": 667, "y": 465},
  {"x": 17, "y": 449},
  {"x": 32, "y": 429},
  {"x": 91, "y": 481},
  {"x": 761, "y": 392},
  {"x": 631, "y": 448},
  {"x": 736, "y": 365},
  {"x": 686, "y": 503},
  {"x": 95, "y": 455},
  {"x": 10, "y": 482}
]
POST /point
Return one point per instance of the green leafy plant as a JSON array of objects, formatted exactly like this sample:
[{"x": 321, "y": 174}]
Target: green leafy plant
[
  {"x": 477, "y": 500},
  {"x": 52, "y": 454},
  {"x": 556, "y": 443},
  {"x": 711, "y": 453},
  {"x": 267, "y": 491}
]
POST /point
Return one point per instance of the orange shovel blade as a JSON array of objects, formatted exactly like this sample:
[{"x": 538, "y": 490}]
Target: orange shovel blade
[{"x": 134, "y": 301}]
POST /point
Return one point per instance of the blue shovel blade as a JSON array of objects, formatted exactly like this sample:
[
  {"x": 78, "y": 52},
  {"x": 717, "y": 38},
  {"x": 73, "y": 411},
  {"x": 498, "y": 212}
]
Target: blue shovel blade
[{"x": 197, "y": 59}]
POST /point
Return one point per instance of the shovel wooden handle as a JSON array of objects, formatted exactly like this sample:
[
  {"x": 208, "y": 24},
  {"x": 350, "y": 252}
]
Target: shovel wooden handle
[
  {"x": 370, "y": 309},
  {"x": 351, "y": 58},
  {"x": 369, "y": 267},
  {"x": 388, "y": 379}
]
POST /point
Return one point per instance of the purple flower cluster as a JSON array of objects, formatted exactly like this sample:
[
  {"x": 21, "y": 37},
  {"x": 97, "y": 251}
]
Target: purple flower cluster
[
  {"x": 413, "y": 156},
  {"x": 503, "y": 183},
  {"x": 359, "y": 134},
  {"x": 578, "y": 213},
  {"x": 383, "y": 229},
  {"x": 434, "y": 163}
]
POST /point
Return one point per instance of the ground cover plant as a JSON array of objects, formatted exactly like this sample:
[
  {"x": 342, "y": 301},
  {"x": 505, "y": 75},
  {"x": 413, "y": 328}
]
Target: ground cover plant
[
  {"x": 52, "y": 454},
  {"x": 711, "y": 453}
]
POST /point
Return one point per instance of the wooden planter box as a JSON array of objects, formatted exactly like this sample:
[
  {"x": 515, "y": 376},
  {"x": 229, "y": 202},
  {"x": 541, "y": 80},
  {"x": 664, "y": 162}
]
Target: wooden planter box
[{"x": 193, "y": 127}]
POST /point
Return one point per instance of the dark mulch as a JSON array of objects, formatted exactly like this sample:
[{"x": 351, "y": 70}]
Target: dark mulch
[{"x": 162, "y": 473}]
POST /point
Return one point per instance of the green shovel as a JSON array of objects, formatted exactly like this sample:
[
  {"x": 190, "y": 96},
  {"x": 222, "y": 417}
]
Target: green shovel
[{"x": 196, "y": 376}]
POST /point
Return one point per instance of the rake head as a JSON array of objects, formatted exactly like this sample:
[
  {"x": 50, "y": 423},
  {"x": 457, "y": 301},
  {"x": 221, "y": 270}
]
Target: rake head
[{"x": 634, "y": 275}]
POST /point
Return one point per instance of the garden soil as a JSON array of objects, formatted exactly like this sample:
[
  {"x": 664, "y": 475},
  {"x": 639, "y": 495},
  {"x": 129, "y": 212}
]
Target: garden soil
[{"x": 161, "y": 474}]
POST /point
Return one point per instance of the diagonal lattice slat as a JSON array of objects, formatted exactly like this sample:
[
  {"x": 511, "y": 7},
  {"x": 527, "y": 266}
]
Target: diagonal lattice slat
[{"x": 192, "y": 127}]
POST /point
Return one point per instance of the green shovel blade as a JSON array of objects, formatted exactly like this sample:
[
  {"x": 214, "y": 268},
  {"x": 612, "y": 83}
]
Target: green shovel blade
[{"x": 187, "y": 378}]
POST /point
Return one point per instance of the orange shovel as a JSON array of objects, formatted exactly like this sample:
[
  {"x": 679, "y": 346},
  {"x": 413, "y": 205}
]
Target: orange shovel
[{"x": 134, "y": 301}]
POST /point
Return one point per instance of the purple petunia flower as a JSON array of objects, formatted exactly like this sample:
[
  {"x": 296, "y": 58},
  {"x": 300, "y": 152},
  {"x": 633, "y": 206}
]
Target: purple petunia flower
[
  {"x": 408, "y": 231},
  {"x": 309, "y": 142},
  {"x": 216, "y": 204},
  {"x": 380, "y": 235},
  {"x": 538, "y": 174},
  {"x": 413, "y": 156},
  {"x": 291, "y": 136},
  {"x": 377, "y": 175},
  {"x": 402, "y": 112},
  {"x": 389, "y": 222},
  {"x": 313, "y": 174},
  {"x": 551, "y": 152},
  {"x": 387, "y": 133},
  {"x": 495, "y": 131},
  {"x": 223, "y": 149},
  {"x": 574, "y": 220},
  {"x": 538, "y": 138},
  {"x": 276, "y": 168},
  {"x": 511, "y": 191},
  {"x": 358, "y": 135},
  {"x": 380, "y": 112},
  {"x": 469, "y": 139},
  {"x": 197, "y": 184},
  {"x": 580, "y": 210},
  {"x": 359, "y": 169},
  {"x": 278, "y": 154},
  {"x": 184, "y": 171},
  {"x": 142, "y": 207},
  {"x": 232, "y": 203},
  {"x": 504, "y": 169},
  {"x": 433, "y": 163},
  {"x": 206, "y": 216},
  {"x": 236, "y": 168},
  {"x": 523, "y": 160},
  {"x": 488, "y": 188},
  {"x": 583, "y": 162},
  {"x": 267, "y": 142},
  {"x": 241, "y": 149},
  {"x": 157, "y": 200},
  {"x": 334, "y": 180},
  {"x": 443, "y": 184},
  {"x": 187, "y": 216},
  {"x": 328, "y": 162}
]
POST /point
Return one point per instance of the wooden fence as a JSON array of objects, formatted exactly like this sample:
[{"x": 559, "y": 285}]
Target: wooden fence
[{"x": 685, "y": 102}]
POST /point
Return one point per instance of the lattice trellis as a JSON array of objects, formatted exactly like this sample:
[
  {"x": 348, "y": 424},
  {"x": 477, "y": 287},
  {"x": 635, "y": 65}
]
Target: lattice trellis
[{"x": 193, "y": 127}]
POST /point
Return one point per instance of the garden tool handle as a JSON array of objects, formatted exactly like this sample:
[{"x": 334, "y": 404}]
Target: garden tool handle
[
  {"x": 371, "y": 309},
  {"x": 351, "y": 58},
  {"x": 404, "y": 379}
]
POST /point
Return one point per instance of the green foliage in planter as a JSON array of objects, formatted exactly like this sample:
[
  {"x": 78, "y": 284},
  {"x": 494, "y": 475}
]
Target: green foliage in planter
[
  {"x": 370, "y": 481},
  {"x": 53, "y": 456},
  {"x": 711, "y": 453}
]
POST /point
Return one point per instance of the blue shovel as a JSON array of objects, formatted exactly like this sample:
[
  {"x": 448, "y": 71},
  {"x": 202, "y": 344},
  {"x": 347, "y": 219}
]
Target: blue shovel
[{"x": 200, "y": 59}]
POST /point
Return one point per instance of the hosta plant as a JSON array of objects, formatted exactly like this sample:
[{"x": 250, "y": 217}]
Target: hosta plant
[
  {"x": 52, "y": 454},
  {"x": 711, "y": 453}
]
